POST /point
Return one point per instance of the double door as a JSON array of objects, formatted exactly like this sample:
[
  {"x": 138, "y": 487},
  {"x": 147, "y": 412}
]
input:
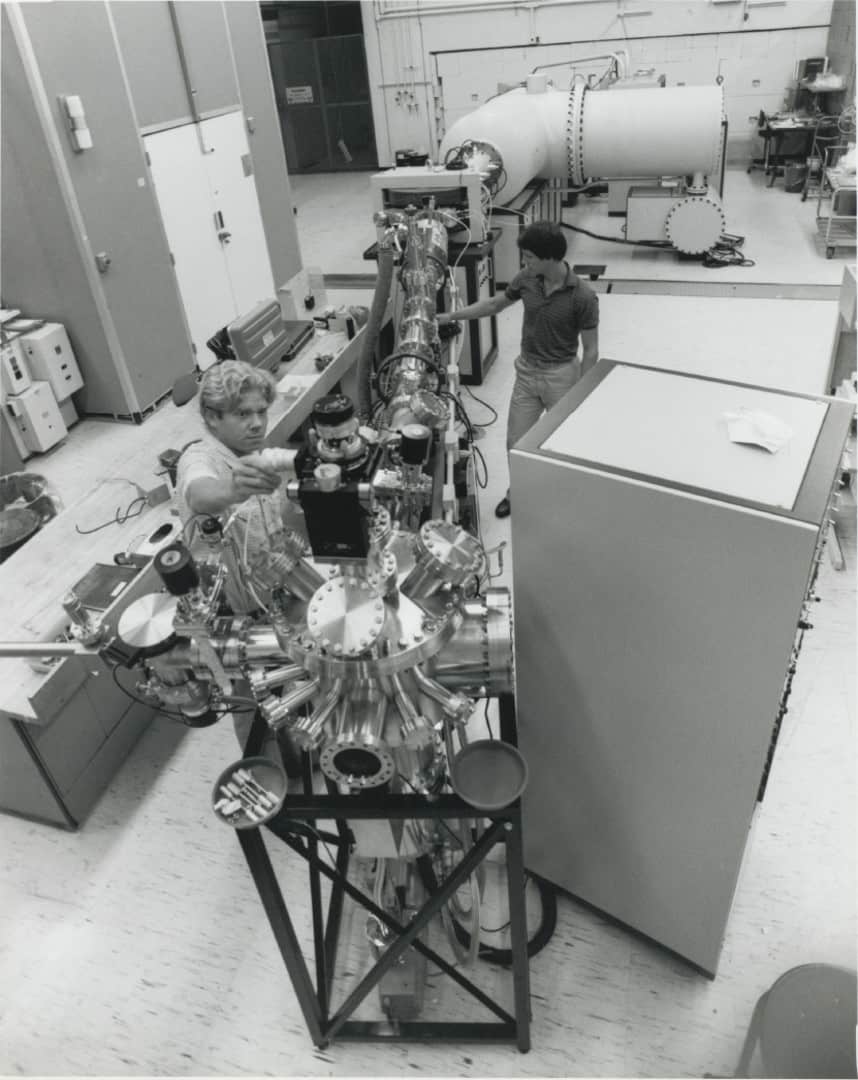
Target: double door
[{"x": 203, "y": 179}]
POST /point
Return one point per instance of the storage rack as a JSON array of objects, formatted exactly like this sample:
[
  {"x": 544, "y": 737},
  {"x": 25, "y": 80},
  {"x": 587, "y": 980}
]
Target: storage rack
[{"x": 836, "y": 191}]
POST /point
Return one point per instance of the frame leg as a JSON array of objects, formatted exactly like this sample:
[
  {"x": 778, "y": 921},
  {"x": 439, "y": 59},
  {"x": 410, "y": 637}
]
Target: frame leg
[{"x": 264, "y": 878}]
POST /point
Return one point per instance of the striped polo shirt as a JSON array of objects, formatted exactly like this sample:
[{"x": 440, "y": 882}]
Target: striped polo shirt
[{"x": 552, "y": 324}]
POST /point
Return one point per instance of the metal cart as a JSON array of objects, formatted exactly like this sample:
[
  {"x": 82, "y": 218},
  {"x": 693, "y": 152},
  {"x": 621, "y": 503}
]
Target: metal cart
[{"x": 837, "y": 196}]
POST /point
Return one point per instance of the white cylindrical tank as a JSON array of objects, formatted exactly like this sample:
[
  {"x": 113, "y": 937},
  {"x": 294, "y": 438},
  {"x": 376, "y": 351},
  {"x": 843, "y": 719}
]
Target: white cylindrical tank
[
  {"x": 555, "y": 134},
  {"x": 657, "y": 131}
]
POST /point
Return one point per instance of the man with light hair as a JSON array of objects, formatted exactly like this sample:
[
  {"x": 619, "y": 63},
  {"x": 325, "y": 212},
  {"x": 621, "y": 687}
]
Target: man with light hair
[{"x": 213, "y": 474}]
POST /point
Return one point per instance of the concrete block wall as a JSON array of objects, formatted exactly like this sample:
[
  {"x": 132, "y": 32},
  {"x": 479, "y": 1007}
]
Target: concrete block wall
[{"x": 468, "y": 49}]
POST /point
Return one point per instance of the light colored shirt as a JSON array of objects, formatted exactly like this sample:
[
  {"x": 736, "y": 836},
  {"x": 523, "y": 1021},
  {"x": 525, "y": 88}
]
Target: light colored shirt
[{"x": 207, "y": 458}]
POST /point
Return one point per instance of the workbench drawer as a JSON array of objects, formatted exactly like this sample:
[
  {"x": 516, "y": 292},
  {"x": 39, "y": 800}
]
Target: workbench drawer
[{"x": 72, "y": 739}]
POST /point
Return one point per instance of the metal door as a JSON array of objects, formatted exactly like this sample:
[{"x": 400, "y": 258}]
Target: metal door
[
  {"x": 210, "y": 210},
  {"x": 322, "y": 91},
  {"x": 235, "y": 212},
  {"x": 181, "y": 183}
]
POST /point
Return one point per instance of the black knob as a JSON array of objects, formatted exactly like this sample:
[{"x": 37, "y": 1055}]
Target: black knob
[
  {"x": 333, "y": 410},
  {"x": 211, "y": 529},
  {"x": 177, "y": 569},
  {"x": 414, "y": 448}
]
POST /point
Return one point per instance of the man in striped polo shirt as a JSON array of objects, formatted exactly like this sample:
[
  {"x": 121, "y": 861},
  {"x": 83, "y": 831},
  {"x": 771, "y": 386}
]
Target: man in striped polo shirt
[{"x": 558, "y": 309}]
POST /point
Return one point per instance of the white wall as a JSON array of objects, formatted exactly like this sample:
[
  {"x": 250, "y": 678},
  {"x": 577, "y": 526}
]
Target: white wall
[{"x": 430, "y": 63}]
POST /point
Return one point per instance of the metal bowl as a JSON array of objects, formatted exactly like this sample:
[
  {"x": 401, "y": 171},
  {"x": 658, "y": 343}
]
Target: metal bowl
[
  {"x": 254, "y": 810},
  {"x": 17, "y": 525}
]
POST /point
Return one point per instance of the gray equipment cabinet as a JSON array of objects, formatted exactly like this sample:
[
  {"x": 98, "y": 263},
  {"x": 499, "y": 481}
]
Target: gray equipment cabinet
[{"x": 661, "y": 574}]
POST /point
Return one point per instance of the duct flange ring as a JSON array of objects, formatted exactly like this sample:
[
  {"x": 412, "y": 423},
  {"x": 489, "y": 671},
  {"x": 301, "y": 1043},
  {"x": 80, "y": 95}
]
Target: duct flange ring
[
  {"x": 345, "y": 617},
  {"x": 356, "y": 761},
  {"x": 575, "y": 134},
  {"x": 694, "y": 224}
]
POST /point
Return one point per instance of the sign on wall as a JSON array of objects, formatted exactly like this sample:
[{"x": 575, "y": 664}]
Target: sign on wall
[{"x": 299, "y": 95}]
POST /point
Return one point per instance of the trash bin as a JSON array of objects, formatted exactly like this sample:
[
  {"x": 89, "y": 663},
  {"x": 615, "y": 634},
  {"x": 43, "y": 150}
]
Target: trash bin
[
  {"x": 27, "y": 502},
  {"x": 794, "y": 177}
]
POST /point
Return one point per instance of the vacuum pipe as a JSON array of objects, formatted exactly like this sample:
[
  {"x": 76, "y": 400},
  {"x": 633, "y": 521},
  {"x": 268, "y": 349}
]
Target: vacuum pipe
[{"x": 555, "y": 134}]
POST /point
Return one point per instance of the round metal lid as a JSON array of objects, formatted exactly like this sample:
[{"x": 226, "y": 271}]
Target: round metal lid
[
  {"x": 147, "y": 624},
  {"x": 346, "y": 616},
  {"x": 456, "y": 552}
]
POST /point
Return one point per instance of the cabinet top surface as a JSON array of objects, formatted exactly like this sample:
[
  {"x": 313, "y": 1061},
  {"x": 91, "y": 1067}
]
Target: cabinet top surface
[{"x": 669, "y": 427}]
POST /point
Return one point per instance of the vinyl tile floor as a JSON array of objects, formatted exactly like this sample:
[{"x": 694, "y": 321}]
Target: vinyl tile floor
[{"x": 138, "y": 946}]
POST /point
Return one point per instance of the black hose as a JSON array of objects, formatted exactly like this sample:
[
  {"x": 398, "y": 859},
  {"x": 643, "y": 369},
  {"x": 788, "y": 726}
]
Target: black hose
[
  {"x": 547, "y": 925},
  {"x": 372, "y": 330}
]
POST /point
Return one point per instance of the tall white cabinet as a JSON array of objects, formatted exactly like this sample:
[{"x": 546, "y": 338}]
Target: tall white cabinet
[{"x": 660, "y": 576}]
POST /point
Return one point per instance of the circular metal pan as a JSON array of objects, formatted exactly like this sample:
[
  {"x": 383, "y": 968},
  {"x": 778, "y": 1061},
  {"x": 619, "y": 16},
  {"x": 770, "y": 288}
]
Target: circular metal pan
[
  {"x": 488, "y": 774},
  {"x": 249, "y": 792}
]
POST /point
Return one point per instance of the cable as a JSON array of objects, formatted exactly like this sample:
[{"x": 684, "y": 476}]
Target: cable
[
  {"x": 618, "y": 239},
  {"x": 478, "y": 456},
  {"x": 488, "y": 722},
  {"x": 480, "y": 401},
  {"x": 725, "y": 252},
  {"x": 119, "y": 518},
  {"x": 547, "y": 925}
]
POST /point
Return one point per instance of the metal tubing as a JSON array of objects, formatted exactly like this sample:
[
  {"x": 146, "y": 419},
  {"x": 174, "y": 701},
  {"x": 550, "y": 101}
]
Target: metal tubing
[{"x": 44, "y": 648}]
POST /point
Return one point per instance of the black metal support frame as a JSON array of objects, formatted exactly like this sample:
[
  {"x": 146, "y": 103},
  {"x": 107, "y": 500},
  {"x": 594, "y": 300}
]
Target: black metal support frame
[{"x": 295, "y": 825}]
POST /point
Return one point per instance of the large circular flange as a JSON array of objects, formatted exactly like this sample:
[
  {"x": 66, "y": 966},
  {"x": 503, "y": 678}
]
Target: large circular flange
[
  {"x": 356, "y": 760},
  {"x": 575, "y": 133},
  {"x": 381, "y": 526},
  {"x": 147, "y": 624},
  {"x": 344, "y": 616},
  {"x": 694, "y": 224},
  {"x": 453, "y": 553},
  {"x": 411, "y": 634}
]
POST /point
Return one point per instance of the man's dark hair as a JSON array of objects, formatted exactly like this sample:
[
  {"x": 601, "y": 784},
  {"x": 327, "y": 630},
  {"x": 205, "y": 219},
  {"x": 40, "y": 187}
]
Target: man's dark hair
[{"x": 544, "y": 239}]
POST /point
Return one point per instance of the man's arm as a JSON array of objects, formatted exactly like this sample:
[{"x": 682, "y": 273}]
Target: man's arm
[
  {"x": 490, "y": 306},
  {"x": 211, "y": 495},
  {"x": 589, "y": 349}
]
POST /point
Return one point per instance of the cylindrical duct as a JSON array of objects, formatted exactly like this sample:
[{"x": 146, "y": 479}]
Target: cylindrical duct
[
  {"x": 653, "y": 131},
  {"x": 478, "y": 659},
  {"x": 559, "y": 134}
]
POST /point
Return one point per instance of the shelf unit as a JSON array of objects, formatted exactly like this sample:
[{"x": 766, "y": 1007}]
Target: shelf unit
[{"x": 836, "y": 195}]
